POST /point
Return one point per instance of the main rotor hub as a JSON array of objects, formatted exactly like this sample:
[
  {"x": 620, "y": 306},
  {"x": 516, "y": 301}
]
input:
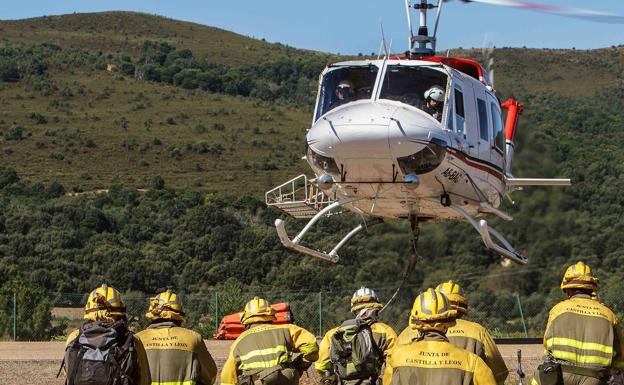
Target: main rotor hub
[{"x": 422, "y": 44}]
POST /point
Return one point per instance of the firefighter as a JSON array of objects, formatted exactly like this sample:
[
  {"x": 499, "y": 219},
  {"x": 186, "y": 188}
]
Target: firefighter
[
  {"x": 583, "y": 341},
  {"x": 467, "y": 335},
  {"x": 176, "y": 355},
  {"x": 264, "y": 353},
  {"x": 104, "y": 350},
  {"x": 365, "y": 305},
  {"x": 431, "y": 359}
]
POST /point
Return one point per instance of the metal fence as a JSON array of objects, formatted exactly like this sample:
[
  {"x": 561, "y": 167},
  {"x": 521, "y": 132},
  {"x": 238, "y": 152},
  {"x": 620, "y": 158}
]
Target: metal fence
[{"x": 52, "y": 317}]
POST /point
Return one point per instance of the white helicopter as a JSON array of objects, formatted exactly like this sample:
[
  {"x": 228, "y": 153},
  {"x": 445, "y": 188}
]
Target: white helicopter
[{"x": 379, "y": 149}]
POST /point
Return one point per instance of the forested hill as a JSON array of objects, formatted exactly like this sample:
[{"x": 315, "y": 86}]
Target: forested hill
[{"x": 207, "y": 120}]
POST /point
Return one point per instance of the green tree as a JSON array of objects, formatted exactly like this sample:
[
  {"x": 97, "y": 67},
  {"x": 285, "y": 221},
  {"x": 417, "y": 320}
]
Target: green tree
[{"x": 33, "y": 318}]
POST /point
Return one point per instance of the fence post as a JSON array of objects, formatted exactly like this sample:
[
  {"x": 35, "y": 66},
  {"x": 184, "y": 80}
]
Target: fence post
[
  {"x": 14, "y": 316},
  {"x": 320, "y": 314},
  {"x": 216, "y": 310},
  {"x": 526, "y": 334}
]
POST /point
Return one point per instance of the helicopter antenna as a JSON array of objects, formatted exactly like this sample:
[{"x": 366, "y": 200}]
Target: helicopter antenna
[
  {"x": 383, "y": 45},
  {"x": 383, "y": 39},
  {"x": 488, "y": 56},
  {"x": 408, "y": 6},
  {"x": 435, "y": 27}
]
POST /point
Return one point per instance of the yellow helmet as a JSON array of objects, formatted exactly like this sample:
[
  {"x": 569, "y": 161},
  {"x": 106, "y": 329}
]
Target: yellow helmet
[
  {"x": 257, "y": 310},
  {"x": 166, "y": 305},
  {"x": 365, "y": 298},
  {"x": 432, "y": 311},
  {"x": 455, "y": 295},
  {"x": 104, "y": 304},
  {"x": 579, "y": 276}
]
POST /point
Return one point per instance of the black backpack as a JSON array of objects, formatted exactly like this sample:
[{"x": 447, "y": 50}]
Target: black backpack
[
  {"x": 353, "y": 351},
  {"x": 102, "y": 354}
]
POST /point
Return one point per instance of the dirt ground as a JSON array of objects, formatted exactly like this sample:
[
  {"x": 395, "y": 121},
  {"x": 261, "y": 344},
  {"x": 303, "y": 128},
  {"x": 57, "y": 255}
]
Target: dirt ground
[{"x": 36, "y": 363}]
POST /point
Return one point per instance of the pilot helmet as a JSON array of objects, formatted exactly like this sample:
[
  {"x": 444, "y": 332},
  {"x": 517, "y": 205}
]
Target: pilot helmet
[
  {"x": 345, "y": 85},
  {"x": 435, "y": 93}
]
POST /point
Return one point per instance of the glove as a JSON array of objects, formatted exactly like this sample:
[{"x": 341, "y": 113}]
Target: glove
[
  {"x": 300, "y": 364},
  {"x": 330, "y": 379}
]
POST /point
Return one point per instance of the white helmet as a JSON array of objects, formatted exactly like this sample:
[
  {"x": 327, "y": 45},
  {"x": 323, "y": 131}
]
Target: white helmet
[
  {"x": 365, "y": 298},
  {"x": 436, "y": 93}
]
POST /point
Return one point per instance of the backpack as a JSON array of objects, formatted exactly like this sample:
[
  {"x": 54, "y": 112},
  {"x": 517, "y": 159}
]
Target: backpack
[
  {"x": 353, "y": 352},
  {"x": 102, "y": 354}
]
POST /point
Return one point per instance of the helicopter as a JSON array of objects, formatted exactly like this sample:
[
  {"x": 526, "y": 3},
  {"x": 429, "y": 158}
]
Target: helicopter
[{"x": 379, "y": 149}]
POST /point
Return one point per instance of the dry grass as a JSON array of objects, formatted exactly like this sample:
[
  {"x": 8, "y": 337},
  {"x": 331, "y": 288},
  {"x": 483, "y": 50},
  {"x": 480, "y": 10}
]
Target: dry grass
[{"x": 116, "y": 128}]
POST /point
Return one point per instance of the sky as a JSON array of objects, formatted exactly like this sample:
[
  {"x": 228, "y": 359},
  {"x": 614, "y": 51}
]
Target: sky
[{"x": 351, "y": 27}]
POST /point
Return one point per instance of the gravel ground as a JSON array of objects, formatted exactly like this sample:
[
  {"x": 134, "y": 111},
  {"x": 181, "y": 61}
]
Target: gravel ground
[{"x": 36, "y": 363}]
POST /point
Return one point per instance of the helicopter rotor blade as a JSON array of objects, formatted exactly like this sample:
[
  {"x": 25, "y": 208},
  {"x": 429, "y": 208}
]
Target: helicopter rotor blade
[{"x": 579, "y": 13}]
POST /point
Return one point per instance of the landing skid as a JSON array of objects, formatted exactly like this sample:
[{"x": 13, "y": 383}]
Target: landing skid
[
  {"x": 332, "y": 256},
  {"x": 505, "y": 249}
]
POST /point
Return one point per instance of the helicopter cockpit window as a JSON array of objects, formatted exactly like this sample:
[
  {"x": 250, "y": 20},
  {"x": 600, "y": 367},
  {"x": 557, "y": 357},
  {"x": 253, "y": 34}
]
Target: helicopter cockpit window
[
  {"x": 421, "y": 87},
  {"x": 497, "y": 121},
  {"x": 345, "y": 84}
]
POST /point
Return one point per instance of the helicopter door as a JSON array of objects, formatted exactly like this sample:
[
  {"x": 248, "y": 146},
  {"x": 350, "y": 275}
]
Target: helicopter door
[
  {"x": 484, "y": 141},
  {"x": 498, "y": 133},
  {"x": 465, "y": 115}
]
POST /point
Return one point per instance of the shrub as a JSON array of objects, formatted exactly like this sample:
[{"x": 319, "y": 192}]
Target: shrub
[
  {"x": 200, "y": 128},
  {"x": 56, "y": 155},
  {"x": 9, "y": 71},
  {"x": 158, "y": 183},
  {"x": 15, "y": 133},
  {"x": 37, "y": 117}
]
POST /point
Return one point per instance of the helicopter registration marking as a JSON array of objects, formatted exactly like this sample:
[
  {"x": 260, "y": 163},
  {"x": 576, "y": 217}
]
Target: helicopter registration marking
[{"x": 452, "y": 175}]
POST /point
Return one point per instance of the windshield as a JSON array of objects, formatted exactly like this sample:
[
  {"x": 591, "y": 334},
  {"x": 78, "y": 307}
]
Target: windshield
[
  {"x": 421, "y": 87},
  {"x": 345, "y": 84}
]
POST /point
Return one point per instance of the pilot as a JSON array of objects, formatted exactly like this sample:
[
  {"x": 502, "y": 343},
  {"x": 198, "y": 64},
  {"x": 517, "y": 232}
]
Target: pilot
[
  {"x": 344, "y": 93},
  {"x": 434, "y": 102}
]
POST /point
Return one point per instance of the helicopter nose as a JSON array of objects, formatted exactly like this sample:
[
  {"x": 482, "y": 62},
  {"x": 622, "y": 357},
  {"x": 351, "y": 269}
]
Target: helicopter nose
[
  {"x": 371, "y": 130},
  {"x": 359, "y": 129}
]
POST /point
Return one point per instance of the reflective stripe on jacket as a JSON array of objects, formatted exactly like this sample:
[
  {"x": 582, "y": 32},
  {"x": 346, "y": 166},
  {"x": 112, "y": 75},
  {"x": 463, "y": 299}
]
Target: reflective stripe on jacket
[
  {"x": 177, "y": 356},
  {"x": 584, "y": 332},
  {"x": 263, "y": 346},
  {"x": 474, "y": 338},
  {"x": 383, "y": 335},
  {"x": 434, "y": 361}
]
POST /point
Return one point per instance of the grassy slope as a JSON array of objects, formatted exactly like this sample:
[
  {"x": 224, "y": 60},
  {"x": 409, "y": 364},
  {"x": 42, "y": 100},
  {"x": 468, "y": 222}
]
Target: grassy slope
[
  {"x": 256, "y": 136},
  {"x": 125, "y": 32},
  {"x": 127, "y": 151}
]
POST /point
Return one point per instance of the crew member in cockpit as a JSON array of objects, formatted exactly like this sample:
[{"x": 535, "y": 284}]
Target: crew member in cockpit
[
  {"x": 434, "y": 102},
  {"x": 344, "y": 93}
]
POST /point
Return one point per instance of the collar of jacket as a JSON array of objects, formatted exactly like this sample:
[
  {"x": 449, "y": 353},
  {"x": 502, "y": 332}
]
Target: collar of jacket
[
  {"x": 162, "y": 325},
  {"x": 581, "y": 295},
  {"x": 433, "y": 335}
]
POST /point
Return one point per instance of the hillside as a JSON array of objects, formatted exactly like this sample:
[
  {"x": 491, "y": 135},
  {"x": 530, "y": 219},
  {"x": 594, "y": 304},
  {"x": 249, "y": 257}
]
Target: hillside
[
  {"x": 125, "y": 32},
  {"x": 138, "y": 96},
  {"x": 80, "y": 114}
]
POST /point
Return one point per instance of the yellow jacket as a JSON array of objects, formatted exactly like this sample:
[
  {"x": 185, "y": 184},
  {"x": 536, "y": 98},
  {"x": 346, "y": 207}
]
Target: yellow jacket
[
  {"x": 584, "y": 332},
  {"x": 384, "y": 336},
  {"x": 474, "y": 338},
  {"x": 177, "y": 356},
  {"x": 264, "y": 346},
  {"x": 144, "y": 373},
  {"x": 434, "y": 361}
]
